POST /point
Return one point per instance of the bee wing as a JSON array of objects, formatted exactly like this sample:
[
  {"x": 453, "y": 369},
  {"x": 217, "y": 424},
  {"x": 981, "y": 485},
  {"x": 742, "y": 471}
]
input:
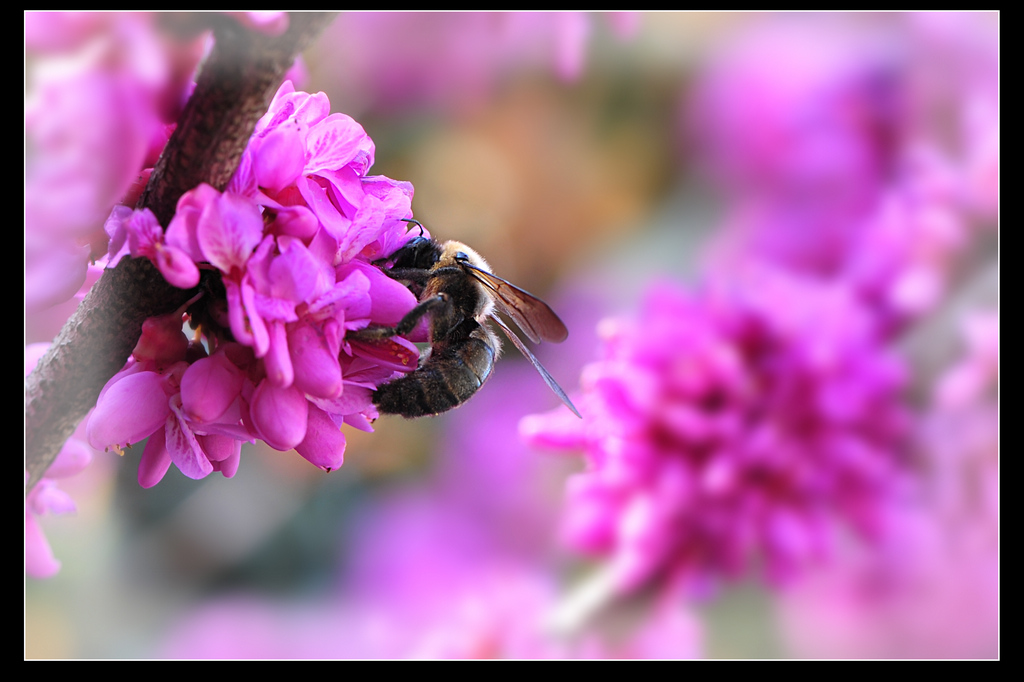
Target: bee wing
[
  {"x": 537, "y": 320},
  {"x": 548, "y": 379}
]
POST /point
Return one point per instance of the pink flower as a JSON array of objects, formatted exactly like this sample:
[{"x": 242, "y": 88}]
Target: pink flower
[
  {"x": 286, "y": 250},
  {"x": 139, "y": 234},
  {"x": 738, "y": 426},
  {"x": 931, "y": 588},
  {"x": 905, "y": 248},
  {"x": 819, "y": 121}
]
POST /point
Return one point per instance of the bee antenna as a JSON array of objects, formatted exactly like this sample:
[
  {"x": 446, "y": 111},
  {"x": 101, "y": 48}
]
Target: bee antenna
[{"x": 416, "y": 223}]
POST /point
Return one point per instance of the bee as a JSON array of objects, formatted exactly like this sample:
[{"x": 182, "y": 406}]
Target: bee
[{"x": 459, "y": 294}]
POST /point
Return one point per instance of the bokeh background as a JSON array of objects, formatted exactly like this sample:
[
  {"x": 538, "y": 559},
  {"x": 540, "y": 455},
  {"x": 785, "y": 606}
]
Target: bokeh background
[{"x": 584, "y": 155}]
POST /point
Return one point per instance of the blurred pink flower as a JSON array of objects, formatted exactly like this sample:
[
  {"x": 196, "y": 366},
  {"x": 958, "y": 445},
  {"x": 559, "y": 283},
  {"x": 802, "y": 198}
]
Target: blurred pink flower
[
  {"x": 825, "y": 136},
  {"x": 453, "y": 588},
  {"x": 931, "y": 590},
  {"x": 88, "y": 135},
  {"x": 966, "y": 382},
  {"x": 805, "y": 108},
  {"x": 455, "y": 566},
  {"x": 736, "y": 427},
  {"x": 896, "y": 257},
  {"x": 48, "y": 32},
  {"x": 427, "y": 581},
  {"x": 101, "y": 89},
  {"x": 919, "y": 596},
  {"x": 905, "y": 249},
  {"x": 46, "y": 498},
  {"x": 982, "y": 163},
  {"x": 959, "y": 437},
  {"x": 44, "y": 325},
  {"x": 957, "y": 66},
  {"x": 451, "y": 59},
  {"x": 502, "y": 615},
  {"x": 492, "y": 622}
]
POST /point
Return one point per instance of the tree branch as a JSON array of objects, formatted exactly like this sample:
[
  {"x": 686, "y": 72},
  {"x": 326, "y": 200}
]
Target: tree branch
[{"x": 233, "y": 91}]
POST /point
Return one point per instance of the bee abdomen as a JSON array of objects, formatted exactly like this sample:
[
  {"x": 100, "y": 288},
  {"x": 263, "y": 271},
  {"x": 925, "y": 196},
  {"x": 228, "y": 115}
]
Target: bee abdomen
[{"x": 449, "y": 377}]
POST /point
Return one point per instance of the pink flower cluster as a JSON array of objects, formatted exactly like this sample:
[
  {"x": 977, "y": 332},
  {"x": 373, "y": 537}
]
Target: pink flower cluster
[
  {"x": 741, "y": 426},
  {"x": 286, "y": 249}
]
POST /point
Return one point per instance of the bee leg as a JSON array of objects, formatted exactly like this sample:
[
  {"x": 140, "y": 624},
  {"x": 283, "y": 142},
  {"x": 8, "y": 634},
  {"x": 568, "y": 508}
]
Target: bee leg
[
  {"x": 417, "y": 275},
  {"x": 406, "y": 324},
  {"x": 413, "y": 221}
]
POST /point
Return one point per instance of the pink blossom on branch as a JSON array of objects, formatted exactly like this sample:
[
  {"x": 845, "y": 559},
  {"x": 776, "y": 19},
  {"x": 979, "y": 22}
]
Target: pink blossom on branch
[
  {"x": 286, "y": 249},
  {"x": 742, "y": 426}
]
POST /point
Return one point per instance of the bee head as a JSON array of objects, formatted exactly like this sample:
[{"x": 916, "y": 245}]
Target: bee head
[
  {"x": 453, "y": 253},
  {"x": 418, "y": 252}
]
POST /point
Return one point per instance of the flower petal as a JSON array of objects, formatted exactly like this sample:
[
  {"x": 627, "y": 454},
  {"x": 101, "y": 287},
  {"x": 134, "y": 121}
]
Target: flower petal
[
  {"x": 324, "y": 444},
  {"x": 279, "y": 415},
  {"x": 131, "y": 408}
]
